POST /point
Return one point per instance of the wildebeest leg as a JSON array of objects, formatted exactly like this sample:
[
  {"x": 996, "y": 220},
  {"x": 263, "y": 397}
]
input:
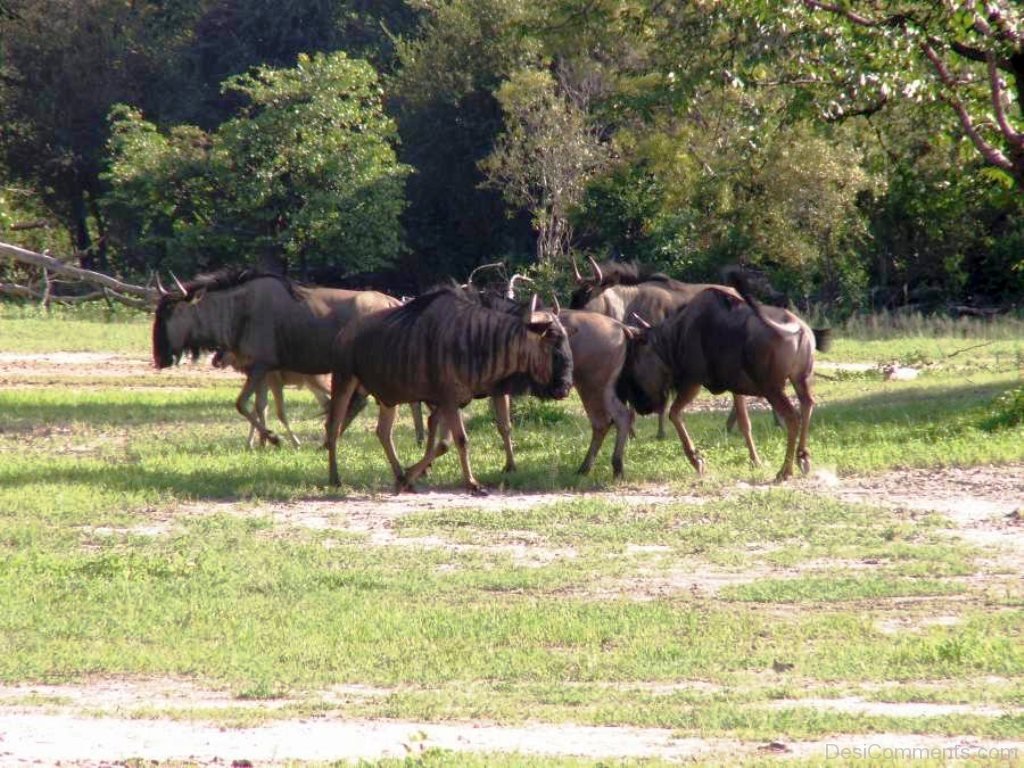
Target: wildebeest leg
[
  {"x": 661, "y": 424},
  {"x": 277, "y": 390},
  {"x": 787, "y": 412},
  {"x": 320, "y": 392},
  {"x": 623, "y": 420},
  {"x": 261, "y": 408},
  {"x": 683, "y": 398},
  {"x": 385, "y": 433},
  {"x": 417, "y": 421},
  {"x": 502, "y": 405},
  {"x": 600, "y": 422},
  {"x": 432, "y": 451},
  {"x": 453, "y": 417},
  {"x": 254, "y": 380},
  {"x": 739, "y": 411},
  {"x": 806, "y": 398},
  {"x": 342, "y": 389}
]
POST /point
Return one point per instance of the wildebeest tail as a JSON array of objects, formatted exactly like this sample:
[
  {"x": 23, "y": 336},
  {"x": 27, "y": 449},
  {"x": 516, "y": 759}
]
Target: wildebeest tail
[
  {"x": 822, "y": 339},
  {"x": 735, "y": 277}
]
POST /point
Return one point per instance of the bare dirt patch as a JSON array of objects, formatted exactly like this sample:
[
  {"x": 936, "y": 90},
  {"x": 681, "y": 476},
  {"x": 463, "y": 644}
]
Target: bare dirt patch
[
  {"x": 46, "y": 369},
  {"x": 984, "y": 504},
  {"x": 28, "y": 738}
]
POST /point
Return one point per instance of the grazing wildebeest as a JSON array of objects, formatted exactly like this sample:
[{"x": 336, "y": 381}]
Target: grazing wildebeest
[
  {"x": 444, "y": 349},
  {"x": 276, "y": 381},
  {"x": 266, "y": 319},
  {"x": 726, "y": 341}
]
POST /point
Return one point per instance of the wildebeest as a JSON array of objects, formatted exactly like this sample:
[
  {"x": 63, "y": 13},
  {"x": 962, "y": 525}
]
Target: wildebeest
[
  {"x": 267, "y": 320},
  {"x": 726, "y": 341},
  {"x": 443, "y": 349},
  {"x": 599, "y": 350},
  {"x": 630, "y": 292},
  {"x": 275, "y": 382}
]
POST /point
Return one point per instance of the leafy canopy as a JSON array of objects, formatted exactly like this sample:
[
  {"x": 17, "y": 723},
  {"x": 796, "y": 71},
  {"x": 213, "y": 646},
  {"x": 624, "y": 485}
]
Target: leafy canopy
[{"x": 305, "y": 171}]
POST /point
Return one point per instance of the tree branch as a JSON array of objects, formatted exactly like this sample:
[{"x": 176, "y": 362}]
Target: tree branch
[
  {"x": 1012, "y": 135},
  {"x": 989, "y": 152},
  {"x": 98, "y": 278}
]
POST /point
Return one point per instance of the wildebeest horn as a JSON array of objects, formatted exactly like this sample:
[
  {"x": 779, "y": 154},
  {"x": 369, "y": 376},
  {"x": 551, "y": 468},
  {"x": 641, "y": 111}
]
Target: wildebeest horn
[
  {"x": 511, "y": 291},
  {"x": 576, "y": 269},
  {"x": 554, "y": 300},
  {"x": 177, "y": 282},
  {"x": 533, "y": 304},
  {"x": 492, "y": 265},
  {"x": 160, "y": 286},
  {"x": 640, "y": 320},
  {"x": 597, "y": 269}
]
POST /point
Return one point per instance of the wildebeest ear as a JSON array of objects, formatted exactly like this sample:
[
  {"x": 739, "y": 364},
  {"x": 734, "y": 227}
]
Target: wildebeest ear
[
  {"x": 544, "y": 322},
  {"x": 636, "y": 334}
]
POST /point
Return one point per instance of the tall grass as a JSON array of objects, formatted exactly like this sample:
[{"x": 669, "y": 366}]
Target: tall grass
[{"x": 886, "y": 325}]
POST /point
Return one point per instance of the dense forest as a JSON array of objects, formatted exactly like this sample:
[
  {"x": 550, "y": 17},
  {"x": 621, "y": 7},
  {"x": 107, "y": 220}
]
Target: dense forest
[{"x": 862, "y": 154}]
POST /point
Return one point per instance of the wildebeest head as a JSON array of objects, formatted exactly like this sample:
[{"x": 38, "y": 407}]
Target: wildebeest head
[
  {"x": 172, "y": 332},
  {"x": 586, "y": 287},
  {"x": 645, "y": 379},
  {"x": 607, "y": 274},
  {"x": 184, "y": 322},
  {"x": 551, "y": 372}
]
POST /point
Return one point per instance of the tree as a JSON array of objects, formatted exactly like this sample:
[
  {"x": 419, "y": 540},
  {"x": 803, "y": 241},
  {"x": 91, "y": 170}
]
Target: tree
[
  {"x": 65, "y": 62},
  {"x": 544, "y": 158},
  {"x": 966, "y": 54},
  {"x": 305, "y": 172},
  {"x": 442, "y": 96}
]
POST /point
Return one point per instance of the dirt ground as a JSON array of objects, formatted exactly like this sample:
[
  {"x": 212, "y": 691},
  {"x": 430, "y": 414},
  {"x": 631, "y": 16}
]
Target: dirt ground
[{"x": 95, "y": 723}]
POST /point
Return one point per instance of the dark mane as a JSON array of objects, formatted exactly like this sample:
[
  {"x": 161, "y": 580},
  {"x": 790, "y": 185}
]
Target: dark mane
[
  {"x": 629, "y": 273},
  {"x": 230, "y": 277}
]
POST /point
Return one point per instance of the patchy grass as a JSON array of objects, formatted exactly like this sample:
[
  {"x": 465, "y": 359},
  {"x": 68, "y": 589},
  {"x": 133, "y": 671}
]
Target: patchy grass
[{"x": 139, "y": 538}]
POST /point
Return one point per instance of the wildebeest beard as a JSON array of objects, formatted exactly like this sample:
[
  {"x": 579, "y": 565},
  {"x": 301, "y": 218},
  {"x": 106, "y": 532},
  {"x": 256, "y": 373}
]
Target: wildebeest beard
[
  {"x": 164, "y": 353},
  {"x": 557, "y": 387}
]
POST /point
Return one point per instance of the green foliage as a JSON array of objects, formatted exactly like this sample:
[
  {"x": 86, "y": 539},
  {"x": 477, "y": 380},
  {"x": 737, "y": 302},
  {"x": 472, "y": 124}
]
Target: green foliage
[
  {"x": 1007, "y": 410},
  {"x": 305, "y": 172},
  {"x": 544, "y": 157}
]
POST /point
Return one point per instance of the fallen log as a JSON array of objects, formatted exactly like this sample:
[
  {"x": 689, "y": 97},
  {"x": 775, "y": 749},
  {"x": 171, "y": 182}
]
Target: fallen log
[{"x": 117, "y": 290}]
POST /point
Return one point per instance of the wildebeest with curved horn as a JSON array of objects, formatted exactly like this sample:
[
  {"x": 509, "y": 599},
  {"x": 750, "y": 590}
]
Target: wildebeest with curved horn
[
  {"x": 726, "y": 341},
  {"x": 599, "y": 351},
  {"x": 628, "y": 291},
  {"x": 267, "y": 320},
  {"x": 444, "y": 349}
]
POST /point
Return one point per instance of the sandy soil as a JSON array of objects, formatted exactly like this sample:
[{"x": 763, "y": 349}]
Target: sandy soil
[{"x": 97, "y": 723}]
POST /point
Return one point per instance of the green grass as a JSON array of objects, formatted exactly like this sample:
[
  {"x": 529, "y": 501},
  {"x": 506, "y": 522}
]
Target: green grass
[
  {"x": 139, "y": 538},
  {"x": 116, "y": 330}
]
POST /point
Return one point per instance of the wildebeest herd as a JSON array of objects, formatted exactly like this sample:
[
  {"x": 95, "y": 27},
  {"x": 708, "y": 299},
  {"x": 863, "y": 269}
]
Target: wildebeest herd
[{"x": 628, "y": 340}]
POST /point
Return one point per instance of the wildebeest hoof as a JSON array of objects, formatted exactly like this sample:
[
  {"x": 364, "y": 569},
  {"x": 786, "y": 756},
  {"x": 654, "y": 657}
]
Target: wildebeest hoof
[
  {"x": 273, "y": 439},
  {"x": 804, "y": 460},
  {"x": 699, "y": 466},
  {"x": 478, "y": 490},
  {"x": 784, "y": 474}
]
